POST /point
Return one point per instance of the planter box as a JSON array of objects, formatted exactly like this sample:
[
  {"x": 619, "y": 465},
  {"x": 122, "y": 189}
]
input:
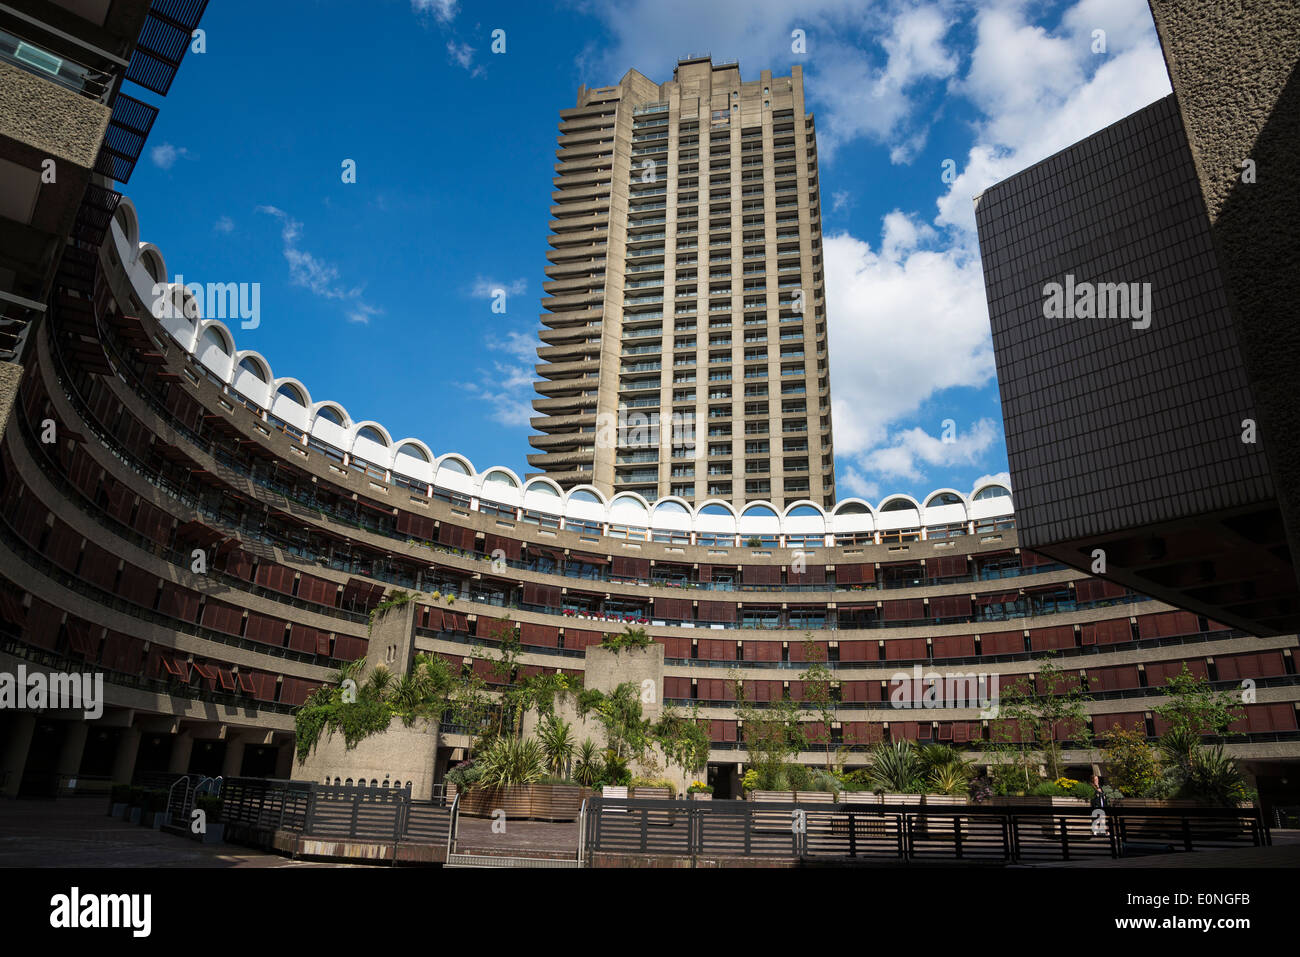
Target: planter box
[
  {"x": 154, "y": 819},
  {"x": 541, "y": 802},
  {"x": 651, "y": 794},
  {"x": 1035, "y": 801},
  {"x": 132, "y": 815},
  {"x": 700, "y": 796},
  {"x": 118, "y": 809}
]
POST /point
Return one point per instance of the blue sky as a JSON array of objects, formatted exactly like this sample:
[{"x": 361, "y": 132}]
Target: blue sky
[{"x": 375, "y": 293}]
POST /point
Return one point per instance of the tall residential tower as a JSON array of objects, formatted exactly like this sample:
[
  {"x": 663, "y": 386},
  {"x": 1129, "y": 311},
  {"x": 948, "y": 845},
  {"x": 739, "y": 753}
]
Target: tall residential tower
[{"x": 684, "y": 344}]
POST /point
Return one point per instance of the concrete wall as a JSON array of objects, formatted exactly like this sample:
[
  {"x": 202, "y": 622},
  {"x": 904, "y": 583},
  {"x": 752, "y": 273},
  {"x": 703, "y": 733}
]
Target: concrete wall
[
  {"x": 605, "y": 670},
  {"x": 400, "y": 754}
]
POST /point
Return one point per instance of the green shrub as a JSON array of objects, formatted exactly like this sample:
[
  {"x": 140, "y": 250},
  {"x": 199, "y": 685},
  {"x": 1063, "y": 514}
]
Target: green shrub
[
  {"x": 209, "y": 804},
  {"x": 639, "y": 782},
  {"x": 799, "y": 778},
  {"x": 824, "y": 782}
]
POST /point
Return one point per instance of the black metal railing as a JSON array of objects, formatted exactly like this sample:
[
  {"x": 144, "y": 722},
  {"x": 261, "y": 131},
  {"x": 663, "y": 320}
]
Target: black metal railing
[
  {"x": 254, "y": 808},
  {"x": 866, "y": 832}
]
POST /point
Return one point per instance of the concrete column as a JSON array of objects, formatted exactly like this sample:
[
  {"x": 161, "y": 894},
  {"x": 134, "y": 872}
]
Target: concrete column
[
  {"x": 128, "y": 748},
  {"x": 15, "y": 754},
  {"x": 182, "y": 748},
  {"x": 284, "y": 762},
  {"x": 234, "y": 759},
  {"x": 74, "y": 744}
]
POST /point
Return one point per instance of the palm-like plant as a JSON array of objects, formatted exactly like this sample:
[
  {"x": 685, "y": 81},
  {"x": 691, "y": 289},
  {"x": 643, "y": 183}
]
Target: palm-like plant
[
  {"x": 556, "y": 736},
  {"x": 1214, "y": 776},
  {"x": 507, "y": 761},
  {"x": 586, "y": 770},
  {"x": 896, "y": 767},
  {"x": 380, "y": 681},
  {"x": 952, "y": 778}
]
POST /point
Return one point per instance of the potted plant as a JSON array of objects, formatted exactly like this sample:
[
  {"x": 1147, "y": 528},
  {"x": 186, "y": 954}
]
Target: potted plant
[
  {"x": 214, "y": 828},
  {"x": 699, "y": 791},
  {"x": 135, "y": 806},
  {"x": 119, "y": 800},
  {"x": 153, "y": 813}
]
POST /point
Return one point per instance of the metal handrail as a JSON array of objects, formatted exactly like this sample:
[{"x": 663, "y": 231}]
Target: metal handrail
[{"x": 453, "y": 825}]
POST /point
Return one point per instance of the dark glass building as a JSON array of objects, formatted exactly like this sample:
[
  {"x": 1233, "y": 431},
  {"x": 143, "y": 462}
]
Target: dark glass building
[{"x": 1139, "y": 385}]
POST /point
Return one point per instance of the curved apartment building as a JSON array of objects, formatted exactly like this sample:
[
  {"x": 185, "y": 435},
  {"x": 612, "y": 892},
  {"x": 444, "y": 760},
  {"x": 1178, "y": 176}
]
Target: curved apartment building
[{"x": 212, "y": 539}]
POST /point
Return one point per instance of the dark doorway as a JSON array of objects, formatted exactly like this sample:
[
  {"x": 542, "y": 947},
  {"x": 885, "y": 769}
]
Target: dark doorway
[
  {"x": 724, "y": 781},
  {"x": 100, "y": 751},
  {"x": 207, "y": 757},
  {"x": 154, "y": 754},
  {"x": 40, "y": 777},
  {"x": 259, "y": 762}
]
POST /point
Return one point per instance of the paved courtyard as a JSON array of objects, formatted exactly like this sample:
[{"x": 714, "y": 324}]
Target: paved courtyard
[{"x": 78, "y": 833}]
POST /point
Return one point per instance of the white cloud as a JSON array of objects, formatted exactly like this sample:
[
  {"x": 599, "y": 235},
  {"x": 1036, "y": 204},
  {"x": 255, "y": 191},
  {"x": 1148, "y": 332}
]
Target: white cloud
[
  {"x": 909, "y": 317},
  {"x": 314, "y": 274},
  {"x": 1036, "y": 99},
  {"x": 505, "y": 393},
  {"x": 862, "y": 63},
  {"x": 841, "y": 199},
  {"x": 224, "y": 225},
  {"x": 444, "y": 11},
  {"x": 463, "y": 55},
  {"x": 912, "y": 452},
  {"x": 485, "y": 288},
  {"x": 994, "y": 478},
  {"x": 850, "y": 482},
  {"x": 906, "y": 321},
  {"x": 522, "y": 346},
  {"x": 165, "y": 155}
]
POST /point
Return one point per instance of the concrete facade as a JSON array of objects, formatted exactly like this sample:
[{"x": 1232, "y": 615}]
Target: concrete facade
[
  {"x": 684, "y": 350},
  {"x": 399, "y": 757}
]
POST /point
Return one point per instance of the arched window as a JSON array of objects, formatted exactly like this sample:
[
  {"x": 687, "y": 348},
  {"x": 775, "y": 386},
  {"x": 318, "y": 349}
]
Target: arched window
[
  {"x": 671, "y": 508},
  {"x": 584, "y": 495},
  {"x": 991, "y": 491},
  {"x": 212, "y": 337},
  {"x": 804, "y": 511},
  {"x": 454, "y": 465},
  {"x": 943, "y": 498},
  {"x": 371, "y": 433},
  {"x": 330, "y": 414},
  {"x": 853, "y": 508},
  {"x": 897, "y": 505},
  {"x": 249, "y": 364},
  {"x": 292, "y": 393},
  {"x": 502, "y": 477},
  {"x": 414, "y": 451}
]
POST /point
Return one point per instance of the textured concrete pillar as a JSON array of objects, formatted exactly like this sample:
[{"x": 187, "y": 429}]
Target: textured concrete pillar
[
  {"x": 234, "y": 758},
  {"x": 74, "y": 744},
  {"x": 128, "y": 747},
  {"x": 182, "y": 747},
  {"x": 284, "y": 761},
  {"x": 15, "y": 753}
]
